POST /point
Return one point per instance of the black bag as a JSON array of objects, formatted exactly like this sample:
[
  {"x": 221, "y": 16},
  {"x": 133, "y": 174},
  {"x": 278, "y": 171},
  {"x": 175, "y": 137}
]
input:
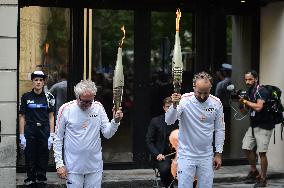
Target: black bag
[{"x": 274, "y": 106}]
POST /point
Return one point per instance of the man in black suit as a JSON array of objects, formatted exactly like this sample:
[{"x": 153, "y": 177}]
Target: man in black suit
[{"x": 157, "y": 141}]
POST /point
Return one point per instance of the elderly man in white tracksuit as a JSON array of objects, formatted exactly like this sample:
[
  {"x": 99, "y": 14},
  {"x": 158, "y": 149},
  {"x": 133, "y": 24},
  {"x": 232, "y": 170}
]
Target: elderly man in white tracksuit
[
  {"x": 79, "y": 123},
  {"x": 200, "y": 115}
]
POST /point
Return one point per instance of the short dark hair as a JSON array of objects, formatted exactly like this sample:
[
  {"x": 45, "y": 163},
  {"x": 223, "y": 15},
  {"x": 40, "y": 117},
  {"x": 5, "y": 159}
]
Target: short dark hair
[
  {"x": 202, "y": 75},
  {"x": 167, "y": 100},
  {"x": 253, "y": 73}
]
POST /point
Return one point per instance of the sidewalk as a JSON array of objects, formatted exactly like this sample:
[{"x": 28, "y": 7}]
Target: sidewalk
[{"x": 139, "y": 178}]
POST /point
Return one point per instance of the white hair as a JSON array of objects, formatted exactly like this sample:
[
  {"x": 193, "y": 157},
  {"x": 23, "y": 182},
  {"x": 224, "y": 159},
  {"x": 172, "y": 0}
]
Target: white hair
[{"x": 85, "y": 86}]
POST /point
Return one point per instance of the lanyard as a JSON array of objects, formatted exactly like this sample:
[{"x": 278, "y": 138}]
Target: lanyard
[{"x": 256, "y": 91}]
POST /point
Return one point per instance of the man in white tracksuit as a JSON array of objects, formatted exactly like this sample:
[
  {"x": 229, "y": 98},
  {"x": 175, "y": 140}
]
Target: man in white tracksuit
[
  {"x": 78, "y": 126},
  {"x": 200, "y": 115}
]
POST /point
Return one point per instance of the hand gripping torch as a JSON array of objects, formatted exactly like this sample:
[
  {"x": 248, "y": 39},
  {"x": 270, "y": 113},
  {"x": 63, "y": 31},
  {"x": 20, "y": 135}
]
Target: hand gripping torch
[
  {"x": 177, "y": 65},
  {"x": 118, "y": 81}
]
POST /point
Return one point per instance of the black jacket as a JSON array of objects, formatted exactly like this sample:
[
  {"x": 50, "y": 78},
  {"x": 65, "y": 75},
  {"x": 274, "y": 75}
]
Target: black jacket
[
  {"x": 157, "y": 137},
  {"x": 262, "y": 119}
]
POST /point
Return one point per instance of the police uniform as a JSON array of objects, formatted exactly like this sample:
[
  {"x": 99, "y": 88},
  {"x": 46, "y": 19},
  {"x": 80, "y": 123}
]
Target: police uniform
[{"x": 36, "y": 109}]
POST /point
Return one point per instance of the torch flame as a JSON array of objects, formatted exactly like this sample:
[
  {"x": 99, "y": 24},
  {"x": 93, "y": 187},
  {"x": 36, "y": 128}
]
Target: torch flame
[
  {"x": 123, "y": 30},
  {"x": 178, "y": 13},
  {"x": 46, "y": 46}
]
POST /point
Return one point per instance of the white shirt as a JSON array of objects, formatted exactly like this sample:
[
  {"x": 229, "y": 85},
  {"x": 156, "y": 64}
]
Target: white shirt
[
  {"x": 197, "y": 122},
  {"x": 80, "y": 131}
]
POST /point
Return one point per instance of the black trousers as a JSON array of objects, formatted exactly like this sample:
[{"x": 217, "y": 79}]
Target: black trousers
[
  {"x": 36, "y": 151},
  {"x": 227, "y": 144},
  {"x": 164, "y": 168}
]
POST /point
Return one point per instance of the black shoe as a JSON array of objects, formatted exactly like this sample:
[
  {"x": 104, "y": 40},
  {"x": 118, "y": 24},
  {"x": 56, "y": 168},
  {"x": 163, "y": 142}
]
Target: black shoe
[
  {"x": 29, "y": 181},
  {"x": 261, "y": 183},
  {"x": 41, "y": 180},
  {"x": 252, "y": 176},
  {"x": 195, "y": 183}
]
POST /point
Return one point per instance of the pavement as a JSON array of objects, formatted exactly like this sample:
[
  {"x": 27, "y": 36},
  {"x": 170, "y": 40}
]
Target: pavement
[
  {"x": 272, "y": 183},
  {"x": 142, "y": 178}
]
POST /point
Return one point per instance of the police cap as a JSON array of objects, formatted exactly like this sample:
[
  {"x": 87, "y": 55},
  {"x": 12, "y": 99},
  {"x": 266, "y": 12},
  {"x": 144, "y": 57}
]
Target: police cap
[
  {"x": 226, "y": 67},
  {"x": 38, "y": 74}
]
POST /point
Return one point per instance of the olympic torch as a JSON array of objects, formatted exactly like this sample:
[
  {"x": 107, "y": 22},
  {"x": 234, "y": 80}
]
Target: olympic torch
[
  {"x": 177, "y": 65},
  {"x": 118, "y": 79}
]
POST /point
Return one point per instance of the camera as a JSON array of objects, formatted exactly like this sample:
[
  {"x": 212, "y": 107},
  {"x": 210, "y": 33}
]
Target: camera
[{"x": 236, "y": 93}]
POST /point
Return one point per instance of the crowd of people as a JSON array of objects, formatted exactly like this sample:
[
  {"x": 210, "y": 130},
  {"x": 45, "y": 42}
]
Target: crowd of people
[{"x": 200, "y": 117}]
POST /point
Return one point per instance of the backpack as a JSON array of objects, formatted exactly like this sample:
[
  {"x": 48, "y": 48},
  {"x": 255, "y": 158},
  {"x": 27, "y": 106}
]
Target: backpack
[{"x": 274, "y": 105}]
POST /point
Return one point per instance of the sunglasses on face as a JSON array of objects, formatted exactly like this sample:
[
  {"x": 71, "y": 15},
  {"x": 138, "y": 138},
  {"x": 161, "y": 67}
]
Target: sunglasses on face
[{"x": 86, "y": 102}]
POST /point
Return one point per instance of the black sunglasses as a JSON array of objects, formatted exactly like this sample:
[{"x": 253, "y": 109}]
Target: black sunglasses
[{"x": 86, "y": 102}]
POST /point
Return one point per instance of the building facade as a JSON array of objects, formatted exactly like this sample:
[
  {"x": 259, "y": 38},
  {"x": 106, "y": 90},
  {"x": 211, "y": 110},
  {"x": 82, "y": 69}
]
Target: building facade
[
  {"x": 8, "y": 99},
  {"x": 257, "y": 42}
]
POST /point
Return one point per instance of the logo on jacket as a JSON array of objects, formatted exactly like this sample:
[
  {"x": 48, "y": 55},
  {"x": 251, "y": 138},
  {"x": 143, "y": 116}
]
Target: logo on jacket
[
  {"x": 30, "y": 101},
  {"x": 52, "y": 102},
  {"x": 209, "y": 109}
]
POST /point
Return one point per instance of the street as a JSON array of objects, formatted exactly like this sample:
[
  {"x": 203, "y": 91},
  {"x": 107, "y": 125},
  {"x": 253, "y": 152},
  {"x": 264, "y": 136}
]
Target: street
[
  {"x": 226, "y": 177},
  {"x": 272, "y": 183}
]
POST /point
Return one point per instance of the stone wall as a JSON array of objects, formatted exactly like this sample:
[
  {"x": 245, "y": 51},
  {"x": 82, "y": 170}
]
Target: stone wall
[
  {"x": 271, "y": 68},
  {"x": 33, "y": 30},
  {"x": 8, "y": 96}
]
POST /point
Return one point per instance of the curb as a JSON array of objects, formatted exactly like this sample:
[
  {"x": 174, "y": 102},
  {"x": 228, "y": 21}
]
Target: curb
[
  {"x": 243, "y": 178},
  {"x": 144, "y": 183}
]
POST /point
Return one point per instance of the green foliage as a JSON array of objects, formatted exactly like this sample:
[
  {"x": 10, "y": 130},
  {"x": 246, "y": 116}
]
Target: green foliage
[
  {"x": 109, "y": 24},
  {"x": 57, "y": 31},
  {"x": 58, "y": 39},
  {"x": 163, "y": 28},
  {"x": 164, "y": 25}
]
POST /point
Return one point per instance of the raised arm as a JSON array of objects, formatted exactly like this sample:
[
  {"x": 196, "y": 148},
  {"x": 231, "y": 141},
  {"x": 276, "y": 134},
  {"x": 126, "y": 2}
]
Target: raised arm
[
  {"x": 173, "y": 112},
  {"x": 108, "y": 129}
]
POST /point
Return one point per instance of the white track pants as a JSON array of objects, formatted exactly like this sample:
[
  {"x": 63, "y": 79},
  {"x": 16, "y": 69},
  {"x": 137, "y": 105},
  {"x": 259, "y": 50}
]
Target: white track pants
[
  {"x": 91, "y": 180},
  {"x": 201, "y": 168}
]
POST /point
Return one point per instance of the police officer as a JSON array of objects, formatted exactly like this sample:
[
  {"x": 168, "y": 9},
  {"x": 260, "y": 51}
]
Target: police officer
[
  {"x": 36, "y": 127},
  {"x": 223, "y": 94}
]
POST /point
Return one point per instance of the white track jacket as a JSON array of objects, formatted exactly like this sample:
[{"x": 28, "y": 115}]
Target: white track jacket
[
  {"x": 197, "y": 122},
  {"x": 80, "y": 131}
]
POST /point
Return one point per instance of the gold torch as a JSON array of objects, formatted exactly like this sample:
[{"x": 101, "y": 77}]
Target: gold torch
[
  {"x": 118, "y": 78},
  {"x": 177, "y": 65}
]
